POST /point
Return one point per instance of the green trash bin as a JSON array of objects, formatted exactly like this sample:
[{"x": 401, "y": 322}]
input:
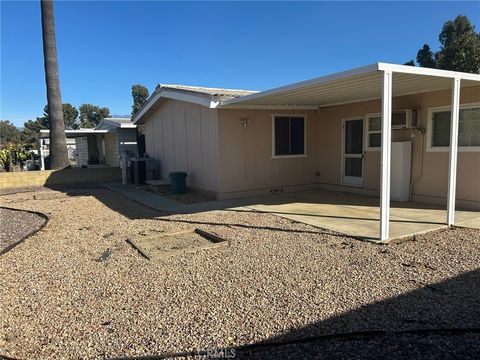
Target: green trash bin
[{"x": 178, "y": 182}]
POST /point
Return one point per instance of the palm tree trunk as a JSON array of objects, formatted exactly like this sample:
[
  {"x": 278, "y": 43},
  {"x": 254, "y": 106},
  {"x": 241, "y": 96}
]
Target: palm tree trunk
[{"x": 58, "y": 144}]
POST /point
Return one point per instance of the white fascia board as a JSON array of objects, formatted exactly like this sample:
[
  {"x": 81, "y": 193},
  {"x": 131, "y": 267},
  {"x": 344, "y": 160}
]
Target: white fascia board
[
  {"x": 150, "y": 102},
  {"x": 270, "y": 107},
  {"x": 175, "y": 95},
  {"x": 415, "y": 70},
  {"x": 315, "y": 81},
  {"x": 80, "y": 132}
]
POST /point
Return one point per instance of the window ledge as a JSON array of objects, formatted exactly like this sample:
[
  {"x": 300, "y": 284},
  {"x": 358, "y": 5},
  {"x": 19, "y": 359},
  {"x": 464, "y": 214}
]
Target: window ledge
[
  {"x": 460, "y": 149},
  {"x": 288, "y": 156}
]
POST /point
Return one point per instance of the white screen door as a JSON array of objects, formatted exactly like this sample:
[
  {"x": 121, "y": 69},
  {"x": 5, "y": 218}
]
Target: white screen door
[{"x": 352, "y": 172}]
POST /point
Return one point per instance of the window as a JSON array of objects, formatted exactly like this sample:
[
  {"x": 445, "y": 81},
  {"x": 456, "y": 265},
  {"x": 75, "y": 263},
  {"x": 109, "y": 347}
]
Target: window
[
  {"x": 374, "y": 128},
  {"x": 401, "y": 119},
  {"x": 288, "y": 135},
  {"x": 468, "y": 128}
]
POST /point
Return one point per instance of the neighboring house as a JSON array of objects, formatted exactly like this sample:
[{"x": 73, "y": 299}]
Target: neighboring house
[
  {"x": 325, "y": 132},
  {"x": 98, "y": 147}
]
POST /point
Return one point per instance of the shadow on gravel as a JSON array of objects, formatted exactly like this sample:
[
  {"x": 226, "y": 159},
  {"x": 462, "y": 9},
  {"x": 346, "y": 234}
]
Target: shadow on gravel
[
  {"x": 114, "y": 201},
  {"x": 440, "y": 320}
]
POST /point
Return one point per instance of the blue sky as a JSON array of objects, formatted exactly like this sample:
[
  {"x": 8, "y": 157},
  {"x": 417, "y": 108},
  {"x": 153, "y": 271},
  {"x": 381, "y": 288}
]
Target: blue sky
[{"x": 105, "y": 47}]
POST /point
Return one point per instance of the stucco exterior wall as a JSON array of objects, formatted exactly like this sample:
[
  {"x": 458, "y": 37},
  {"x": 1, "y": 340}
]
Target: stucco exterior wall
[
  {"x": 184, "y": 137},
  {"x": 433, "y": 170},
  {"x": 246, "y": 162}
]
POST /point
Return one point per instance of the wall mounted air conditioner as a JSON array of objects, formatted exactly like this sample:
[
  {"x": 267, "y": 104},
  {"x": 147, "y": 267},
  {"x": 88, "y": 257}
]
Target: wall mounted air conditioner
[{"x": 404, "y": 119}]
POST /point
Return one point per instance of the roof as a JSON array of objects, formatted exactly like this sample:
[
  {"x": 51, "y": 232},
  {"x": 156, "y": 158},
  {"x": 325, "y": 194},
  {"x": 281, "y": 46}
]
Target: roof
[
  {"x": 206, "y": 96},
  {"x": 214, "y": 92},
  {"x": 116, "y": 122},
  {"x": 358, "y": 84},
  {"x": 104, "y": 126},
  {"x": 72, "y": 133}
]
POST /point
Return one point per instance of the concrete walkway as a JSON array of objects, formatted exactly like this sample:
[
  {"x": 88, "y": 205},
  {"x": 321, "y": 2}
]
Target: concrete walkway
[{"x": 350, "y": 214}]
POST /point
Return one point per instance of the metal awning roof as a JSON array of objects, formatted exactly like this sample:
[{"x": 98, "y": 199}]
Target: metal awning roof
[{"x": 360, "y": 84}]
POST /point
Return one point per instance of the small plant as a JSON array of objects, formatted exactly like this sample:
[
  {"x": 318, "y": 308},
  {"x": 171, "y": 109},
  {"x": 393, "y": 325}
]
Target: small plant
[
  {"x": 5, "y": 159},
  {"x": 12, "y": 155}
]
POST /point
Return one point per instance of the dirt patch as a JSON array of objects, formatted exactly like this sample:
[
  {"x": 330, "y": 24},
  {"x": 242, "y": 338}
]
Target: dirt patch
[{"x": 165, "y": 245}]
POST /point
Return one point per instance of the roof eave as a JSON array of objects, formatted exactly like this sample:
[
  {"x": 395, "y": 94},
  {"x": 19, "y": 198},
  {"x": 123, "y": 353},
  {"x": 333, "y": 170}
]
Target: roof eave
[{"x": 181, "y": 95}]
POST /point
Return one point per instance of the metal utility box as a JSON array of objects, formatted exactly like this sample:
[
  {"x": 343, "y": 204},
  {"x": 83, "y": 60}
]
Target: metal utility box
[{"x": 401, "y": 165}]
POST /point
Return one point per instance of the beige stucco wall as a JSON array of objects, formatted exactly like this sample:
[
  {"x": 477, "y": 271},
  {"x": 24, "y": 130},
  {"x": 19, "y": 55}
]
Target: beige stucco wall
[
  {"x": 246, "y": 153},
  {"x": 184, "y": 137},
  {"x": 246, "y": 163},
  {"x": 223, "y": 156},
  {"x": 434, "y": 168}
]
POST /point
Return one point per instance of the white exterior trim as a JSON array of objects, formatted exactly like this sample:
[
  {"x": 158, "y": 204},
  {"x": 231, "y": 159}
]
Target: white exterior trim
[
  {"x": 452, "y": 164},
  {"x": 367, "y": 131},
  {"x": 406, "y": 69},
  {"x": 386, "y": 155},
  {"x": 175, "y": 95},
  {"x": 430, "y": 111},
  {"x": 304, "y": 116},
  {"x": 342, "y": 151},
  {"x": 269, "y": 107}
]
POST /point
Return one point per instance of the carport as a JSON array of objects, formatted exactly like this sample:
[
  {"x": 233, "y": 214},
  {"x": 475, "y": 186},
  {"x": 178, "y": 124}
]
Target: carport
[{"x": 378, "y": 81}]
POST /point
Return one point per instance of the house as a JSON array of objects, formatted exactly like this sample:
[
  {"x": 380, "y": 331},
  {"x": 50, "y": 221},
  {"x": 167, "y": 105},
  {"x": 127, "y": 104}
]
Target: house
[
  {"x": 98, "y": 147},
  {"x": 327, "y": 132}
]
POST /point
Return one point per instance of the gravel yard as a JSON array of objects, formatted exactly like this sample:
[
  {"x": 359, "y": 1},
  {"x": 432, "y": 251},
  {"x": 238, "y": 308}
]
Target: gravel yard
[
  {"x": 76, "y": 289},
  {"x": 15, "y": 225}
]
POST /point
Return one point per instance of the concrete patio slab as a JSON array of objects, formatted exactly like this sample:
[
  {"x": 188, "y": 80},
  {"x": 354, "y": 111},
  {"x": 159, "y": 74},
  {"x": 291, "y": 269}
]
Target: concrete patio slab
[
  {"x": 358, "y": 215},
  {"x": 351, "y": 214}
]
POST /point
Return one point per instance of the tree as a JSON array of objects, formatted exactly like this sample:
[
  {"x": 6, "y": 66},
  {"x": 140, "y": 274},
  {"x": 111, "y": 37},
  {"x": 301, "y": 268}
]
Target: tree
[
  {"x": 91, "y": 115},
  {"x": 459, "y": 50},
  {"x": 32, "y": 127},
  {"x": 139, "y": 95},
  {"x": 9, "y": 133},
  {"x": 70, "y": 115},
  {"x": 425, "y": 57},
  {"x": 58, "y": 142}
]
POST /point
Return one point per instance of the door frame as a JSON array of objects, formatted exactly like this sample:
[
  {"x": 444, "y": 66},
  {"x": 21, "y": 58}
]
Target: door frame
[{"x": 355, "y": 182}]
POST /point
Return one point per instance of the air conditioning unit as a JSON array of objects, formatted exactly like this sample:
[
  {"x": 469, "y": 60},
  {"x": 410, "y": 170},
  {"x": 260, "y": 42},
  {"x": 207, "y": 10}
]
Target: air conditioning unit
[
  {"x": 404, "y": 119},
  {"x": 141, "y": 169}
]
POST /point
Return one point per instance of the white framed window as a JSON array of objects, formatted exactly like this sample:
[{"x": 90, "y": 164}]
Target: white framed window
[
  {"x": 289, "y": 136},
  {"x": 438, "y": 128},
  {"x": 401, "y": 119},
  {"x": 374, "y": 132}
]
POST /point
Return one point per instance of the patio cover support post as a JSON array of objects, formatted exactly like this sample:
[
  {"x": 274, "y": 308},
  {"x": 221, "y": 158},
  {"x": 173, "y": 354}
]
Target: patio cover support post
[
  {"x": 386, "y": 150},
  {"x": 452, "y": 166}
]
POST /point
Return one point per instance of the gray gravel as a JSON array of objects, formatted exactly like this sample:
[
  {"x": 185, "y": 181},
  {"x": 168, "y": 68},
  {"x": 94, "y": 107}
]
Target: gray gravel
[
  {"x": 15, "y": 225},
  {"x": 277, "y": 280}
]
